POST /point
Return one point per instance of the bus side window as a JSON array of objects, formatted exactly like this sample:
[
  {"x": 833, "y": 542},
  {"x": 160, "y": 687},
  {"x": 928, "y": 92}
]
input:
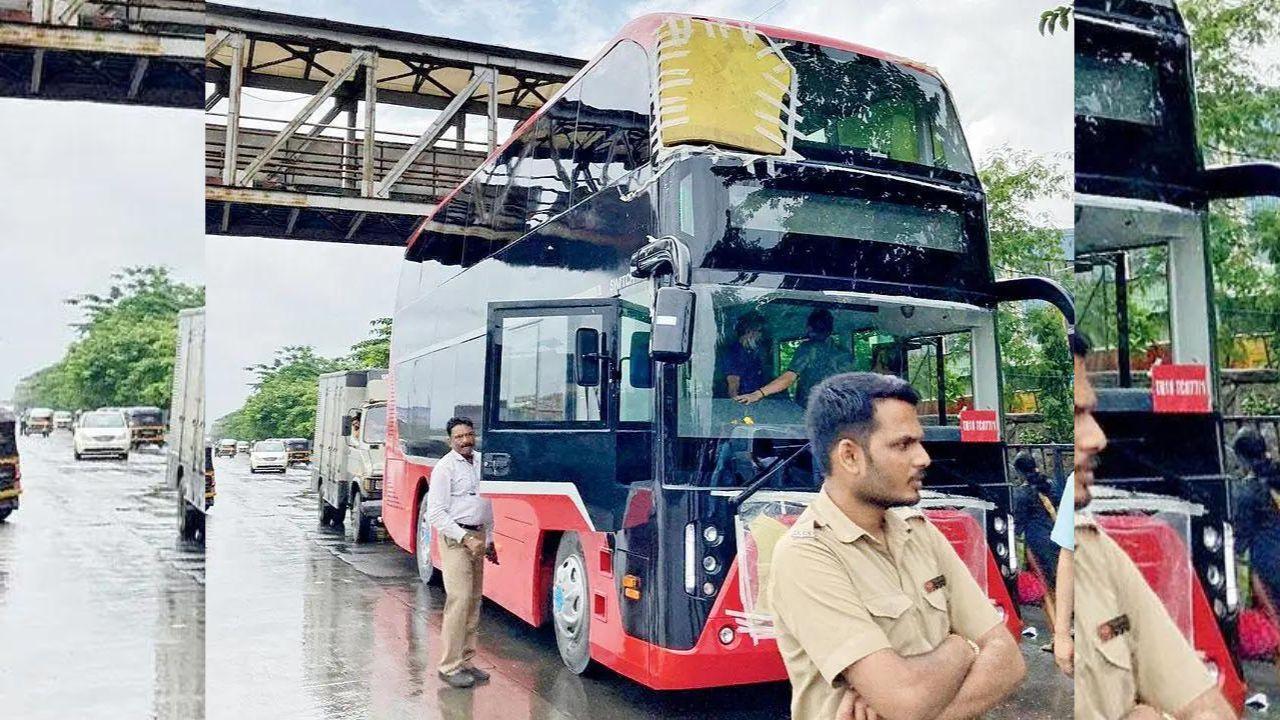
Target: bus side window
[
  {"x": 616, "y": 92},
  {"x": 636, "y": 391}
]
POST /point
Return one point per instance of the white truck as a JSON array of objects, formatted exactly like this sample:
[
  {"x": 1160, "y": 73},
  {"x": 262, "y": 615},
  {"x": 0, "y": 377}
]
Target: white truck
[
  {"x": 190, "y": 460},
  {"x": 347, "y": 453}
]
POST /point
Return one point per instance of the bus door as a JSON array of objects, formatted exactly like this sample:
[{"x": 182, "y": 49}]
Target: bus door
[{"x": 567, "y": 418}]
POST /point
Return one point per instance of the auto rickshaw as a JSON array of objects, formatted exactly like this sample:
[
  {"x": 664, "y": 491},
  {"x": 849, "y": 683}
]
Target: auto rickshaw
[{"x": 10, "y": 470}]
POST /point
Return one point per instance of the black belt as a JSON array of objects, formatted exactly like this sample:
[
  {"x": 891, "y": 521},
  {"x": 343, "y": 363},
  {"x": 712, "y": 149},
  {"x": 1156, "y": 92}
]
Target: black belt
[{"x": 472, "y": 528}]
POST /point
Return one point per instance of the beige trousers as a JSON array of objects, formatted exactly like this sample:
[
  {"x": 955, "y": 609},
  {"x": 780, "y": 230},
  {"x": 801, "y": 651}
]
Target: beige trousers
[{"x": 463, "y": 588}]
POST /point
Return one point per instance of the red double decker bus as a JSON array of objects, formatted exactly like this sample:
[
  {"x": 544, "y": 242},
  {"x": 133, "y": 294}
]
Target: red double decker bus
[{"x": 578, "y": 295}]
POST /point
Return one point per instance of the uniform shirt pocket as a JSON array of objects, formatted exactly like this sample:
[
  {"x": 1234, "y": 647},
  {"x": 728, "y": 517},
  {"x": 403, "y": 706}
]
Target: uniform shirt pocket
[
  {"x": 1115, "y": 677},
  {"x": 888, "y": 611}
]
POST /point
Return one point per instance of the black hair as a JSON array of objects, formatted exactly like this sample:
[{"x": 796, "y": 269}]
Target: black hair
[
  {"x": 1080, "y": 344},
  {"x": 1249, "y": 446},
  {"x": 820, "y": 324},
  {"x": 455, "y": 422},
  {"x": 1025, "y": 463},
  {"x": 844, "y": 406},
  {"x": 889, "y": 355},
  {"x": 748, "y": 322}
]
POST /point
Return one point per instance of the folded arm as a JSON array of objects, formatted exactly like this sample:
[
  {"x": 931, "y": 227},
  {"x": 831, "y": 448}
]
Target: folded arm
[
  {"x": 996, "y": 673},
  {"x": 912, "y": 688}
]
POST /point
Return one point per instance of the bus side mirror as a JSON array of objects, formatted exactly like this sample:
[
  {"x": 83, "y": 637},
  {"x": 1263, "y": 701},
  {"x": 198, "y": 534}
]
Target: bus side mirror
[
  {"x": 639, "y": 364},
  {"x": 672, "y": 340},
  {"x": 586, "y": 357},
  {"x": 346, "y": 426}
]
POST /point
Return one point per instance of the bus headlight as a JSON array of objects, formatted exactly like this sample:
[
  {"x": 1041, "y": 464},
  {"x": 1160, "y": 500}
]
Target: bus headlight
[
  {"x": 726, "y": 635},
  {"x": 999, "y": 523},
  {"x": 1002, "y": 550},
  {"x": 690, "y": 558},
  {"x": 708, "y": 588},
  {"x": 1212, "y": 539},
  {"x": 1219, "y": 609},
  {"x": 1214, "y": 576},
  {"x": 1229, "y": 563},
  {"x": 711, "y": 536},
  {"x": 711, "y": 565}
]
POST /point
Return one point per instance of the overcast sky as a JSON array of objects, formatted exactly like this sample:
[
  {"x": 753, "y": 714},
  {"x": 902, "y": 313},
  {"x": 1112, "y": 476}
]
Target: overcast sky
[
  {"x": 86, "y": 189},
  {"x": 1011, "y": 86}
]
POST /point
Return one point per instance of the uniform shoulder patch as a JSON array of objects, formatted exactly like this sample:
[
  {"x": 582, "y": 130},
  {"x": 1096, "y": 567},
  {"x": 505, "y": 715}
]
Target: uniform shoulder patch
[{"x": 803, "y": 530}]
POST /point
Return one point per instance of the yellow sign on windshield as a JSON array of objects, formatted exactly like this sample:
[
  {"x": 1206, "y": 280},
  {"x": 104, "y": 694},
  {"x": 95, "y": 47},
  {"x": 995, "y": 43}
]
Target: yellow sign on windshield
[{"x": 724, "y": 85}]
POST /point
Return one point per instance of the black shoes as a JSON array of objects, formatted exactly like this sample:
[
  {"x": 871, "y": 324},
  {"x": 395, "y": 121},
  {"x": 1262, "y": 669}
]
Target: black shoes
[
  {"x": 459, "y": 679},
  {"x": 479, "y": 675}
]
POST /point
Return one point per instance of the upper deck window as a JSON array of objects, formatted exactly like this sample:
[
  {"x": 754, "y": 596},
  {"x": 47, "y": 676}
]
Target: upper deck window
[
  {"x": 726, "y": 85},
  {"x": 1116, "y": 86},
  {"x": 853, "y": 106}
]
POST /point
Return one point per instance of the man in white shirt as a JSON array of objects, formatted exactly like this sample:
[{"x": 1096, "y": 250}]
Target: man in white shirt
[{"x": 463, "y": 520}]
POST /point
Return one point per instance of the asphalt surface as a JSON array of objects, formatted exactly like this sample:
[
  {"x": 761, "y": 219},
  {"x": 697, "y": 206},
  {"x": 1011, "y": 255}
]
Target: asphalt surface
[
  {"x": 101, "y": 606},
  {"x": 305, "y": 624}
]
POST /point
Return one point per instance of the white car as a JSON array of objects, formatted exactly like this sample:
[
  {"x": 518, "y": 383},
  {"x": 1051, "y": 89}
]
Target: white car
[
  {"x": 101, "y": 433},
  {"x": 268, "y": 455},
  {"x": 61, "y": 420}
]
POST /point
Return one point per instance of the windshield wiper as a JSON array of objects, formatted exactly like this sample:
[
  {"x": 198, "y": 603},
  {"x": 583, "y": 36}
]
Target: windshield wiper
[{"x": 763, "y": 477}]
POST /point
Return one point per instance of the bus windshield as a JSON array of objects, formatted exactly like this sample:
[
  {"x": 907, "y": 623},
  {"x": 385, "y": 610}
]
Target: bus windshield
[
  {"x": 745, "y": 337},
  {"x": 853, "y": 106}
]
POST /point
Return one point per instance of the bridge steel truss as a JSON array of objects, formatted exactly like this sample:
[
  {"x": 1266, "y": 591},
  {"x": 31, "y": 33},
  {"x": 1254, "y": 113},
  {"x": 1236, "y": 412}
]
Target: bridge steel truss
[
  {"x": 133, "y": 52},
  {"x": 336, "y": 175}
]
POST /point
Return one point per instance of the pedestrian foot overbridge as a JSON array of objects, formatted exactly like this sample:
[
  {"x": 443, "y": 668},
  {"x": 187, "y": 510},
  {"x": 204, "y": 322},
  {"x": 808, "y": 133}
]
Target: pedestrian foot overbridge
[
  {"x": 322, "y": 130},
  {"x": 133, "y": 52}
]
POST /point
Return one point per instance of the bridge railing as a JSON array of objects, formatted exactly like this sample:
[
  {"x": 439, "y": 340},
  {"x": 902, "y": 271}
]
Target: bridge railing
[{"x": 329, "y": 159}]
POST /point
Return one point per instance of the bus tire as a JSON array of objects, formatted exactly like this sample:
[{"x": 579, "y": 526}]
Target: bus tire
[
  {"x": 4, "y": 514},
  {"x": 422, "y": 546},
  {"x": 570, "y": 604}
]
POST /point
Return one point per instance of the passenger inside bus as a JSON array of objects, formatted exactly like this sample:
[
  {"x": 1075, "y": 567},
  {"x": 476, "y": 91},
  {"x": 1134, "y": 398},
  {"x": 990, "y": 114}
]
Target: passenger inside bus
[
  {"x": 745, "y": 360},
  {"x": 816, "y": 359}
]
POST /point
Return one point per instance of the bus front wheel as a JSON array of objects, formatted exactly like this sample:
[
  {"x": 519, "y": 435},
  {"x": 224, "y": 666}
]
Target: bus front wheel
[
  {"x": 570, "y": 606},
  {"x": 422, "y": 547}
]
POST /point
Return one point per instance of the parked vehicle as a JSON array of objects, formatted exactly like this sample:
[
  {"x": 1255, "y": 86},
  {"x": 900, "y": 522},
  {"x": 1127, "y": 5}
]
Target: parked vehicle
[
  {"x": 268, "y": 455},
  {"x": 351, "y": 430},
  {"x": 586, "y": 336},
  {"x": 1142, "y": 202},
  {"x": 62, "y": 420},
  {"x": 39, "y": 422},
  {"x": 299, "y": 450},
  {"x": 226, "y": 448},
  {"x": 10, "y": 468},
  {"x": 190, "y": 459},
  {"x": 146, "y": 426},
  {"x": 102, "y": 433}
]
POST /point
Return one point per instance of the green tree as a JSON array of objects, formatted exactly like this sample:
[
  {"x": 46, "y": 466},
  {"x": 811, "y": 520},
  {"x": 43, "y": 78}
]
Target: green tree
[
  {"x": 283, "y": 401},
  {"x": 123, "y": 352},
  {"x": 1239, "y": 119},
  {"x": 1032, "y": 336},
  {"x": 375, "y": 351}
]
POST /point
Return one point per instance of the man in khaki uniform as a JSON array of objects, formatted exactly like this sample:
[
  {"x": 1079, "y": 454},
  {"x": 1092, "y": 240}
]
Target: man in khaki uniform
[
  {"x": 873, "y": 608},
  {"x": 1131, "y": 661},
  {"x": 464, "y": 522}
]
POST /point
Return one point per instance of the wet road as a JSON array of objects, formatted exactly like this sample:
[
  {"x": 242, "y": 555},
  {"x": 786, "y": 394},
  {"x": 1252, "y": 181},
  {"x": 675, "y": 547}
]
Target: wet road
[
  {"x": 101, "y": 607},
  {"x": 304, "y": 624}
]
